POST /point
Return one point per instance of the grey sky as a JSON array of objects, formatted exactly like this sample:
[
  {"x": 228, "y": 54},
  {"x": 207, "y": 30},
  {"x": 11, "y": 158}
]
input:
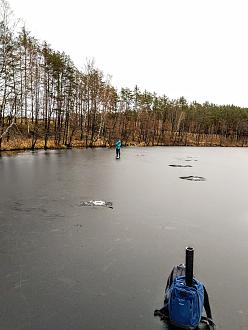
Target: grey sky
[{"x": 192, "y": 48}]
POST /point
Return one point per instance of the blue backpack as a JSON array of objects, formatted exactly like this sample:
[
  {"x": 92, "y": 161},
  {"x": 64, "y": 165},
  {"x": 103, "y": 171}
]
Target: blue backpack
[{"x": 183, "y": 305}]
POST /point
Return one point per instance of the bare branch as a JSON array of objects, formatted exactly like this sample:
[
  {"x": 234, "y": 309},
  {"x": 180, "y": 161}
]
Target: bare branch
[{"x": 8, "y": 128}]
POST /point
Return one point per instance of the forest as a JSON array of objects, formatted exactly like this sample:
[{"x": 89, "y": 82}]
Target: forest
[{"x": 46, "y": 102}]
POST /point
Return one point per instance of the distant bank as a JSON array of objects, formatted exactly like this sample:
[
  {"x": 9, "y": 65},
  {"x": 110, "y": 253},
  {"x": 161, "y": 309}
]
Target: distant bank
[{"x": 170, "y": 139}]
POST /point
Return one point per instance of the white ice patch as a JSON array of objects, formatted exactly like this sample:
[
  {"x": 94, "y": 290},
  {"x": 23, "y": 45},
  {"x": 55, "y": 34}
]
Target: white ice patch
[{"x": 97, "y": 203}]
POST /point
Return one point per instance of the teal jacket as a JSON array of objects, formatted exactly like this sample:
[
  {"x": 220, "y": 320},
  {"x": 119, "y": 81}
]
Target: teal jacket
[{"x": 118, "y": 144}]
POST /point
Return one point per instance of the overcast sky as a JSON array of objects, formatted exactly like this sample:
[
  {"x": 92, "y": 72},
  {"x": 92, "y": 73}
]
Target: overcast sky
[{"x": 192, "y": 48}]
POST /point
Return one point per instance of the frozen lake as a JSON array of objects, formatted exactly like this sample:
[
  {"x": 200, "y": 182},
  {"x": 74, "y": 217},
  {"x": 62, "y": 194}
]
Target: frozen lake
[{"x": 66, "y": 266}]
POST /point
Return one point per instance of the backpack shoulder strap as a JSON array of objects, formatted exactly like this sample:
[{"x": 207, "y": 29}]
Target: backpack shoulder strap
[
  {"x": 207, "y": 308},
  {"x": 211, "y": 325},
  {"x": 162, "y": 313},
  {"x": 206, "y": 304}
]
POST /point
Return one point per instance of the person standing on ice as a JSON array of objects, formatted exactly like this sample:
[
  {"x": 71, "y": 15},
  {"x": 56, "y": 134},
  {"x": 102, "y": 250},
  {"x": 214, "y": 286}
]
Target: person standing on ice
[{"x": 118, "y": 148}]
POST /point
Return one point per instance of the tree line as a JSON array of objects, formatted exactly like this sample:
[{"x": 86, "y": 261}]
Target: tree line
[{"x": 46, "y": 102}]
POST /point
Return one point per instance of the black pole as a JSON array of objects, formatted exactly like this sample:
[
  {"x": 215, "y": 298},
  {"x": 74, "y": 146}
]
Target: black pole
[{"x": 189, "y": 265}]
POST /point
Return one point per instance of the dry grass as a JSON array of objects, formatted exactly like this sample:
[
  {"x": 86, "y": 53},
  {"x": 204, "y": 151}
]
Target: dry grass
[{"x": 20, "y": 143}]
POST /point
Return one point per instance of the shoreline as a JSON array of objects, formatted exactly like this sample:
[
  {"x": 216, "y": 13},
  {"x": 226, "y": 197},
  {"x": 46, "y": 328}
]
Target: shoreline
[{"x": 130, "y": 145}]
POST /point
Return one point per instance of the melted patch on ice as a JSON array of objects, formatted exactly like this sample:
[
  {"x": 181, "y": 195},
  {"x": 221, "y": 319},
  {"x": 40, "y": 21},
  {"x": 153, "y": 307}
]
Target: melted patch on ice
[
  {"x": 193, "y": 178},
  {"x": 97, "y": 203}
]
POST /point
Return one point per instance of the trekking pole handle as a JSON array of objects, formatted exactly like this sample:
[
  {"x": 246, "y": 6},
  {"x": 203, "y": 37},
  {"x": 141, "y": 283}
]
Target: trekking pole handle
[{"x": 189, "y": 266}]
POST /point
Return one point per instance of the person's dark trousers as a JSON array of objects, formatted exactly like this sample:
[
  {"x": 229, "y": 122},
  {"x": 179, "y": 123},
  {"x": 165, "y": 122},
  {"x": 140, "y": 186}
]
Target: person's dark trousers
[{"x": 118, "y": 153}]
